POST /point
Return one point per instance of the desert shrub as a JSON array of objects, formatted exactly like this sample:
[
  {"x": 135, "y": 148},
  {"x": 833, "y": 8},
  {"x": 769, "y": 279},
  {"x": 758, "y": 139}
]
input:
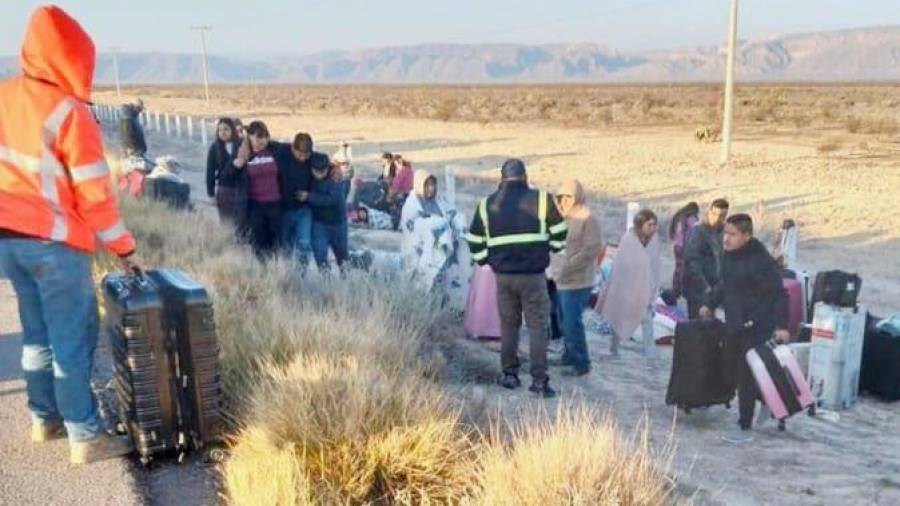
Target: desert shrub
[
  {"x": 829, "y": 145},
  {"x": 578, "y": 458}
]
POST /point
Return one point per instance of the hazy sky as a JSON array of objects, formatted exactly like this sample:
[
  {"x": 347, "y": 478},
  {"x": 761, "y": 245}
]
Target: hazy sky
[{"x": 306, "y": 26}]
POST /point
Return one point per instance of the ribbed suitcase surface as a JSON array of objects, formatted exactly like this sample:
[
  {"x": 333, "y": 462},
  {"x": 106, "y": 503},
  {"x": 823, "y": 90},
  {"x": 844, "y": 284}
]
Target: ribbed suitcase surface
[
  {"x": 189, "y": 314},
  {"x": 142, "y": 380}
]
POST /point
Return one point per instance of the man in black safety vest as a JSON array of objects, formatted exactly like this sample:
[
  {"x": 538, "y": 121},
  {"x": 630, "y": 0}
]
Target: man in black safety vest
[{"x": 514, "y": 230}]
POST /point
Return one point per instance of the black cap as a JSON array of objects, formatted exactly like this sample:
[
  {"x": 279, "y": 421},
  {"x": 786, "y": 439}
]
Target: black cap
[{"x": 512, "y": 168}]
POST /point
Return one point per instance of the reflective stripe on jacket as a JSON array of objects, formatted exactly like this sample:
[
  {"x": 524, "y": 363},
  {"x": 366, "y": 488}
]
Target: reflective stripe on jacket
[{"x": 515, "y": 229}]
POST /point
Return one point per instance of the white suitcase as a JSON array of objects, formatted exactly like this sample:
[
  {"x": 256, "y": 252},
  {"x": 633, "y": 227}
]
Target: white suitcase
[{"x": 836, "y": 354}]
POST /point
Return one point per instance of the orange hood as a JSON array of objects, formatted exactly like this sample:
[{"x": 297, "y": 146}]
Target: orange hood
[{"x": 59, "y": 51}]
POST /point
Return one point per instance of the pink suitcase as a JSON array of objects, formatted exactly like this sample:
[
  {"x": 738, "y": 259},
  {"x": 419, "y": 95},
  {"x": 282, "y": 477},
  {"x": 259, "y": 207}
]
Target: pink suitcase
[
  {"x": 482, "y": 318},
  {"x": 794, "y": 290},
  {"x": 781, "y": 384}
]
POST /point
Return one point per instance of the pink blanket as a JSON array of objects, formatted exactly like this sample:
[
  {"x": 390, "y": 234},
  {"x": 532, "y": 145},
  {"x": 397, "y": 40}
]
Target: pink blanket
[
  {"x": 482, "y": 315},
  {"x": 633, "y": 284}
]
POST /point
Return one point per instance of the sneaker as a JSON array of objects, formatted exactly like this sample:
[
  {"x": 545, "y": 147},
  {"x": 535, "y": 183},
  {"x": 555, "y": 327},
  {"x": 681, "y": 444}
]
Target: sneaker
[
  {"x": 574, "y": 372},
  {"x": 47, "y": 431},
  {"x": 738, "y": 437},
  {"x": 99, "y": 448},
  {"x": 510, "y": 381},
  {"x": 542, "y": 388}
]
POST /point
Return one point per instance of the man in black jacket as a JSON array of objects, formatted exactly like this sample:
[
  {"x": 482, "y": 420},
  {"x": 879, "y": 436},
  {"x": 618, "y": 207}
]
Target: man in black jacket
[
  {"x": 756, "y": 309},
  {"x": 295, "y": 164},
  {"x": 703, "y": 257},
  {"x": 514, "y": 230}
]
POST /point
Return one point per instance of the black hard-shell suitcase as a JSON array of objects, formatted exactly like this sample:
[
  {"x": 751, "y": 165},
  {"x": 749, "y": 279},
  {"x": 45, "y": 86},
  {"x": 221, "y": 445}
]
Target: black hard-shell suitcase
[
  {"x": 189, "y": 318},
  {"x": 880, "y": 369},
  {"x": 702, "y": 366},
  {"x": 165, "y": 352},
  {"x": 142, "y": 380}
]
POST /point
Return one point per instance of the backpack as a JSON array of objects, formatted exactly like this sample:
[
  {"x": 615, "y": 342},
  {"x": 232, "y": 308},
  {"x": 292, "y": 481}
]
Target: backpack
[{"x": 837, "y": 288}]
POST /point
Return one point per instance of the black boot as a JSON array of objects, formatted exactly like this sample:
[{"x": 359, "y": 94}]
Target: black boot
[
  {"x": 510, "y": 381},
  {"x": 542, "y": 388}
]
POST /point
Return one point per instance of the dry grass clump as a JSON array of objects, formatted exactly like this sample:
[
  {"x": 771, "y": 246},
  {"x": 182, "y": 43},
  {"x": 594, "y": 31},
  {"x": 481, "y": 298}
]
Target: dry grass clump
[
  {"x": 580, "y": 458},
  {"x": 355, "y": 435}
]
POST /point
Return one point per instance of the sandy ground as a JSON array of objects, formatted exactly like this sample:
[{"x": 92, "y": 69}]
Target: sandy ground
[{"x": 848, "y": 458}]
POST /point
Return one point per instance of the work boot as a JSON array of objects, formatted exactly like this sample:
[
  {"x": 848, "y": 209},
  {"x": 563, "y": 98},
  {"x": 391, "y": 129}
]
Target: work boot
[
  {"x": 101, "y": 447},
  {"x": 45, "y": 430},
  {"x": 542, "y": 388},
  {"x": 510, "y": 381}
]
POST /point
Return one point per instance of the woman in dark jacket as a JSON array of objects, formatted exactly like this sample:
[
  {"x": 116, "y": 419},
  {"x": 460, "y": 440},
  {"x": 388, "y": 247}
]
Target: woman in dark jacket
[
  {"x": 256, "y": 162},
  {"x": 222, "y": 180}
]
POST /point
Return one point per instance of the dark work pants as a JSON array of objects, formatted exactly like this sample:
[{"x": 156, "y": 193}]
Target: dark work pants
[
  {"x": 265, "y": 227},
  {"x": 519, "y": 294}
]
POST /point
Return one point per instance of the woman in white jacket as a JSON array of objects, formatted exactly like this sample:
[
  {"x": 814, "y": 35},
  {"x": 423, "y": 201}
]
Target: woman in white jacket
[{"x": 433, "y": 250}]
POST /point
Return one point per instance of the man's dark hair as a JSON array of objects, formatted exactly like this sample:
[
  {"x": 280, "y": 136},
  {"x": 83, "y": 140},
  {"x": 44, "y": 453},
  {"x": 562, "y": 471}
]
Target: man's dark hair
[
  {"x": 720, "y": 204},
  {"x": 303, "y": 142},
  {"x": 387, "y": 155},
  {"x": 742, "y": 222},
  {"x": 259, "y": 129}
]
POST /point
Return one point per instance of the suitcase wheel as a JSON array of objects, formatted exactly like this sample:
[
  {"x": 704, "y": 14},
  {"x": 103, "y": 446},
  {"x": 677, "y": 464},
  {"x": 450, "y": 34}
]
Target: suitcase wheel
[
  {"x": 727, "y": 405},
  {"x": 812, "y": 410},
  {"x": 781, "y": 425}
]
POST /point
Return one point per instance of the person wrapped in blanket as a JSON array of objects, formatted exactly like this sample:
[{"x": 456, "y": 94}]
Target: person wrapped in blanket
[{"x": 432, "y": 249}]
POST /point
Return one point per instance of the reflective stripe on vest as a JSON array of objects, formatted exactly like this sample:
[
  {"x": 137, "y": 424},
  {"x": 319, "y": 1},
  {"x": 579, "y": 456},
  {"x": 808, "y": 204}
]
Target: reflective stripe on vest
[
  {"x": 50, "y": 167},
  {"x": 524, "y": 238}
]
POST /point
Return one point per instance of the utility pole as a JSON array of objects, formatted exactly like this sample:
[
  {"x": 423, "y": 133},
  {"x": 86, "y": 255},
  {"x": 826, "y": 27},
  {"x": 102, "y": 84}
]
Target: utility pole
[
  {"x": 728, "y": 114},
  {"x": 115, "y": 55},
  {"x": 203, "y": 29}
]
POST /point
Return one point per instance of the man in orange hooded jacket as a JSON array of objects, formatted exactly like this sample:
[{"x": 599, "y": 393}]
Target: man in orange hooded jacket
[{"x": 55, "y": 200}]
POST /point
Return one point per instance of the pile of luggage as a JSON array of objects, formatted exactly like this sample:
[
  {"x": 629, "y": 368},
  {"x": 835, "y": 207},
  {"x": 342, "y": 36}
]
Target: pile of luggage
[
  {"x": 157, "y": 180},
  {"x": 839, "y": 351},
  {"x": 166, "y": 366}
]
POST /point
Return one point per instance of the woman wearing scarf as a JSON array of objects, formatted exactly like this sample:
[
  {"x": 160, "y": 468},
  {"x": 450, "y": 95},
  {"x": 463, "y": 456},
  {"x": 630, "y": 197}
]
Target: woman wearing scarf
[
  {"x": 433, "y": 232},
  {"x": 627, "y": 299}
]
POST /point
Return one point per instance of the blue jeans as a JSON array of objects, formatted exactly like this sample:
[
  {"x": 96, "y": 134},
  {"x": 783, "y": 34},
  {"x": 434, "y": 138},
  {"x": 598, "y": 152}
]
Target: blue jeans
[
  {"x": 334, "y": 236},
  {"x": 296, "y": 232},
  {"x": 571, "y": 305},
  {"x": 58, "y": 311}
]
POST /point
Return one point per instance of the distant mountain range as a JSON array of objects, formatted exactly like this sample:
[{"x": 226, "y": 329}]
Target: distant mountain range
[{"x": 865, "y": 54}]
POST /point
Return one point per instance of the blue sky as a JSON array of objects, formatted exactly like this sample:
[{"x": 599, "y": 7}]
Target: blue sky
[{"x": 305, "y": 26}]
